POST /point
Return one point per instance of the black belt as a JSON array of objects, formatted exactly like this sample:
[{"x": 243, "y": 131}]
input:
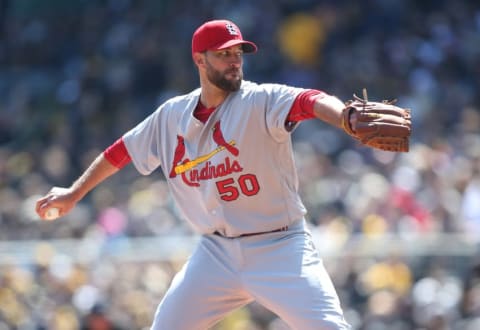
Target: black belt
[{"x": 284, "y": 228}]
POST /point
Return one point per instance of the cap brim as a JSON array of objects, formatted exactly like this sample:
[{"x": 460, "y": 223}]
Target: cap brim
[{"x": 247, "y": 46}]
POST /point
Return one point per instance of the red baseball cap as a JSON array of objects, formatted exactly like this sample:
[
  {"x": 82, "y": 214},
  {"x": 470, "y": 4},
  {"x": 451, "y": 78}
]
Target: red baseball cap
[{"x": 219, "y": 34}]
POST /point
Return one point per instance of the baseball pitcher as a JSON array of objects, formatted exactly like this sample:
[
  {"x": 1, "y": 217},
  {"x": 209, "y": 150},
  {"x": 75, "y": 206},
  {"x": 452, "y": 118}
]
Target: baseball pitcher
[{"x": 226, "y": 151}]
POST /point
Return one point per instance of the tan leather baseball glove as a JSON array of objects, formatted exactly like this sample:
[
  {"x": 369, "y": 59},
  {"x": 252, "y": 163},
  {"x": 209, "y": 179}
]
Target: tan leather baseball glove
[{"x": 380, "y": 125}]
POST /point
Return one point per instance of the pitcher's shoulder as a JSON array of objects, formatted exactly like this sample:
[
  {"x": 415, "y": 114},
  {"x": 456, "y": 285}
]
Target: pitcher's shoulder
[
  {"x": 250, "y": 87},
  {"x": 267, "y": 88},
  {"x": 184, "y": 98},
  {"x": 181, "y": 103}
]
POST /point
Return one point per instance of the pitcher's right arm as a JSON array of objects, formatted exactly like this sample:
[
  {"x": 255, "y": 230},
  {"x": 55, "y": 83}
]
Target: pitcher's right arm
[{"x": 105, "y": 165}]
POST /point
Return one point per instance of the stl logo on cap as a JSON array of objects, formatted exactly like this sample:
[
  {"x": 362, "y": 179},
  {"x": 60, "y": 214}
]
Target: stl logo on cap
[
  {"x": 219, "y": 34},
  {"x": 231, "y": 28}
]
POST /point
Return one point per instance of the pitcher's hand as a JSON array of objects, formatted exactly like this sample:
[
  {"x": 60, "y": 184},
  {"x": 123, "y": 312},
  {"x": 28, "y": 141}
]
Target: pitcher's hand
[{"x": 57, "y": 198}]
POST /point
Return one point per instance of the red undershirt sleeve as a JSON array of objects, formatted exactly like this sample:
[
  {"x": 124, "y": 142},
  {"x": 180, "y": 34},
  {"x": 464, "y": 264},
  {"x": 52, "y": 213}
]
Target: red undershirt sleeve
[
  {"x": 302, "y": 108},
  {"x": 117, "y": 154}
]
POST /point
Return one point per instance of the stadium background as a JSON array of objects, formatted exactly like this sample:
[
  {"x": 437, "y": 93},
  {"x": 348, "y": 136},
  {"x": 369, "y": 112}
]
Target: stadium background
[{"x": 399, "y": 233}]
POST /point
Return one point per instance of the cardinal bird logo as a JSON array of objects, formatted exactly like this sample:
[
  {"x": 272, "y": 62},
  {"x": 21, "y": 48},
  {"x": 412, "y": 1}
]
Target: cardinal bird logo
[
  {"x": 181, "y": 165},
  {"x": 220, "y": 140},
  {"x": 179, "y": 154}
]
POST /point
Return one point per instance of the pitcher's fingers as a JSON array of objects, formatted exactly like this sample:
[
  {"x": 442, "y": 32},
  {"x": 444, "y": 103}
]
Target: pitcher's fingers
[
  {"x": 42, "y": 206},
  {"x": 39, "y": 203}
]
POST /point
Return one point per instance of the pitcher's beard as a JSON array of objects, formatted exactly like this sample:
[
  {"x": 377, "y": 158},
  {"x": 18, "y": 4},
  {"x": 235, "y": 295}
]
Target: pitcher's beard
[{"x": 219, "y": 79}]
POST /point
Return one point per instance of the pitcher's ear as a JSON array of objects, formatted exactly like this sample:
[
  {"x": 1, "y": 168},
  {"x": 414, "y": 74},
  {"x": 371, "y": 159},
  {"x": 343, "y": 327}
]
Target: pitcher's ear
[{"x": 198, "y": 58}]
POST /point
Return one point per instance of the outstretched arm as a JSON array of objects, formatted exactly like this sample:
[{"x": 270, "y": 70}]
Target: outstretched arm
[
  {"x": 316, "y": 104},
  {"x": 65, "y": 199},
  {"x": 380, "y": 125},
  {"x": 329, "y": 109}
]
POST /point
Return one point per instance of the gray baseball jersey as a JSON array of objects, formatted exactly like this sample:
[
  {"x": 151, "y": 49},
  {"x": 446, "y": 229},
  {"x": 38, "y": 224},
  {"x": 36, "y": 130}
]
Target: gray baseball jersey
[
  {"x": 231, "y": 176},
  {"x": 235, "y": 174}
]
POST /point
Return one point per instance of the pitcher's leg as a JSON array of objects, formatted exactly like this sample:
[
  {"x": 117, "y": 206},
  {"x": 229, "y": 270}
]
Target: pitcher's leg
[
  {"x": 288, "y": 277},
  {"x": 205, "y": 290}
]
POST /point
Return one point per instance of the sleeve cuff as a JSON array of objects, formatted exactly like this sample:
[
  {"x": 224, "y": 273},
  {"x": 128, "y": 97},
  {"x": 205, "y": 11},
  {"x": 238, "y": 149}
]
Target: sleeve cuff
[{"x": 117, "y": 154}]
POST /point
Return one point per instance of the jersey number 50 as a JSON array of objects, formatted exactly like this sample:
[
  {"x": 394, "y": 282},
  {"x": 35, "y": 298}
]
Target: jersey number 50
[{"x": 246, "y": 184}]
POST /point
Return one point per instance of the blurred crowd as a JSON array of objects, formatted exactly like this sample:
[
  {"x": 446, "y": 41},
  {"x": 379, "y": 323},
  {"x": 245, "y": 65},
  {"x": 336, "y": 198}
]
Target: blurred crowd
[{"x": 75, "y": 75}]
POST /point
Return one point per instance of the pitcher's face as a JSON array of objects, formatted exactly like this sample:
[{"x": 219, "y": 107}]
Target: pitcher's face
[{"x": 224, "y": 68}]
